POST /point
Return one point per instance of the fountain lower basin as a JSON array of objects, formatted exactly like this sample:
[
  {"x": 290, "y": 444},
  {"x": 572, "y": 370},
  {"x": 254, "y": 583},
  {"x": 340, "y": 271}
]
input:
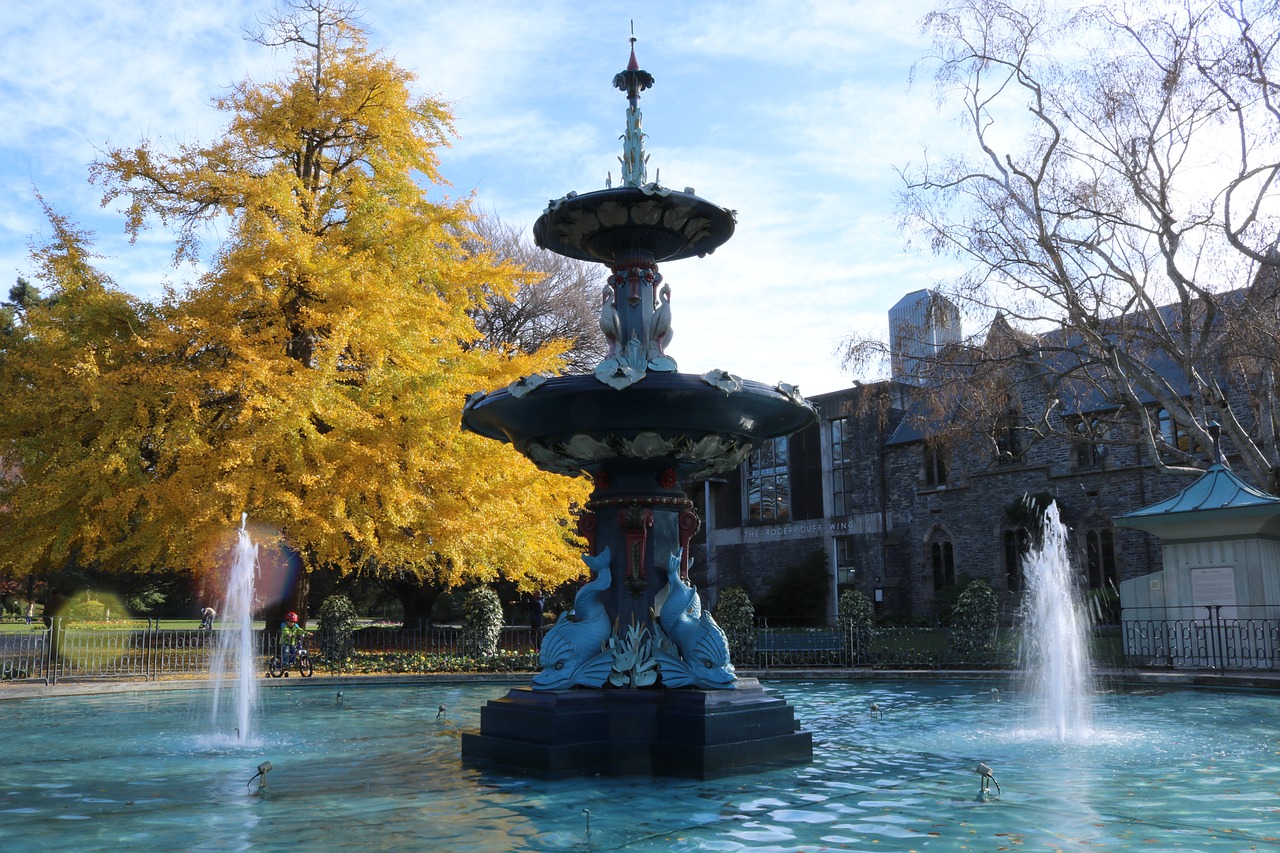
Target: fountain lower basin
[{"x": 1193, "y": 769}]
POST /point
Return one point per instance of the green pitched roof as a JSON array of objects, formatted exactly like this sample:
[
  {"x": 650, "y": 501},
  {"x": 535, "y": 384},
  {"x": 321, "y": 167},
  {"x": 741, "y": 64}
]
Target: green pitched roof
[{"x": 1217, "y": 489}]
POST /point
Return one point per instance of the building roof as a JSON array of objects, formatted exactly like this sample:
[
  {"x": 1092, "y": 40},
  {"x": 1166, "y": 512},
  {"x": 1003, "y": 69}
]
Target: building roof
[
  {"x": 1081, "y": 388},
  {"x": 1217, "y": 498},
  {"x": 1217, "y": 488}
]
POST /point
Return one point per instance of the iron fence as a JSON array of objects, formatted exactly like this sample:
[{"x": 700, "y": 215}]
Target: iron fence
[
  {"x": 879, "y": 647},
  {"x": 1221, "y": 637},
  {"x": 146, "y": 651},
  {"x": 1206, "y": 637}
]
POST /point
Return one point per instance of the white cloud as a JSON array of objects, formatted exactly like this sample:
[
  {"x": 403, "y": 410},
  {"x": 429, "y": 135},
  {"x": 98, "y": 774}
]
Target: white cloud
[{"x": 791, "y": 113}]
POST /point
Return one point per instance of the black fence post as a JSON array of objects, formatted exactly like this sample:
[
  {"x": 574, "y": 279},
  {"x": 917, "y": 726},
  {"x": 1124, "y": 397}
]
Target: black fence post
[
  {"x": 148, "y": 656},
  {"x": 45, "y": 657},
  {"x": 1219, "y": 638},
  {"x": 54, "y": 647}
]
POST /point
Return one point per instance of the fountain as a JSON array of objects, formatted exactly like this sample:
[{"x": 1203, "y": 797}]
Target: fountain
[
  {"x": 1186, "y": 769},
  {"x": 235, "y": 656},
  {"x": 637, "y": 679},
  {"x": 1055, "y": 653}
]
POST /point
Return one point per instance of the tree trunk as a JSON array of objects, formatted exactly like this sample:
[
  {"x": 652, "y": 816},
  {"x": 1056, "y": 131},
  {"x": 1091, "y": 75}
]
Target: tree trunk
[
  {"x": 289, "y": 565},
  {"x": 416, "y": 598}
]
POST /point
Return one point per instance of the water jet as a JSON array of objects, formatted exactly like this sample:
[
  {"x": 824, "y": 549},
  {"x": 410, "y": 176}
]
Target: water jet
[
  {"x": 235, "y": 661},
  {"x": 1055, "y": 651}
]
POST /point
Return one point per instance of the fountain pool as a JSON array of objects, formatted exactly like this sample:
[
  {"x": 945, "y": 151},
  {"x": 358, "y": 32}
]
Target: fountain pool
[{"x": 1160, "y": 770}]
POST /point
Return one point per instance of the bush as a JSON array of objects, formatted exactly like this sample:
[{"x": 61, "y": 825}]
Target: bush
[
  {"x": 973, "y": 622},
  {"x": 856, "y": 614},
  {"x": 87, "y": 610},
  {"x": 481, "y": 622},
  {"x": 147, "y": 601},
  {"x": 736, "y": 616},
  {"x": 337, "y": 626}
]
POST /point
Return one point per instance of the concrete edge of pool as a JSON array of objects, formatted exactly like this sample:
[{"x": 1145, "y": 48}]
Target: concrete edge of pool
[{"x": 1163, "y": 678}]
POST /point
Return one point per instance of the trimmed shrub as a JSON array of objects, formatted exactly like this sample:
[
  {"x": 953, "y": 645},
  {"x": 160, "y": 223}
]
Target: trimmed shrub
[
  {"x": 857, "y": 615},
  {"x": 481, "y": 622},
  {"x": 973, "y": 622},
  {"x": 337, "y": 627},
  {"x": 736, "y": 616}
]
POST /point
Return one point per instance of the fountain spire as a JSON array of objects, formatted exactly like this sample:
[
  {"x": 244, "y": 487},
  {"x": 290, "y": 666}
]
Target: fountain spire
[{"x": 633, "y": 81}]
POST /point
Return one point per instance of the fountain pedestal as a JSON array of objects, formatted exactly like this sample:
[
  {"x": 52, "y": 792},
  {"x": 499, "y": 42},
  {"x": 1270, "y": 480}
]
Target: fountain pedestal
[
  {"x": 688, "y": 732},
  {"x": 636, "y": 678}
]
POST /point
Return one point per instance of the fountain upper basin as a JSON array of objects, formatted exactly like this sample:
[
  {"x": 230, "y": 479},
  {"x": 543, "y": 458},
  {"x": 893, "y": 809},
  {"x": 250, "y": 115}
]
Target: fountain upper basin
[
  {"x": 657, "y": 222},
  {"x": 575, "y": 424}
]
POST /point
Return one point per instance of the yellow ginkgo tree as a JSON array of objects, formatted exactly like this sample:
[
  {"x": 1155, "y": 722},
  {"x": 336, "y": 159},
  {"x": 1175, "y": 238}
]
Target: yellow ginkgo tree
[{"x": 312, "y": 378}]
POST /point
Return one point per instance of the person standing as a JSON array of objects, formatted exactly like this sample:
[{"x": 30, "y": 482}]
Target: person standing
[
  {"x": 31, "y": 611},
  {"x": 206, "y": 618}
]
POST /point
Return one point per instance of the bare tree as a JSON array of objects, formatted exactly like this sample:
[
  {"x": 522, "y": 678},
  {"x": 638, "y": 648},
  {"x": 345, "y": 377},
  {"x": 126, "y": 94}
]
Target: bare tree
[
  {"x": 1118, "y": 203},
  {"x": 559, "y": 302}
]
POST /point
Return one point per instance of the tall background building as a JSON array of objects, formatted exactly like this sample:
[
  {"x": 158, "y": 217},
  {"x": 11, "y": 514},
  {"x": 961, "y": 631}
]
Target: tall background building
[{"x": 920, "y": 325}]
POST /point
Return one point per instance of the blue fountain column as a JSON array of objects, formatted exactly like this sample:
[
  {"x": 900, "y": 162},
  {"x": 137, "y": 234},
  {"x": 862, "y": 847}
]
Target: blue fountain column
[{"x": 643, "y": 517}]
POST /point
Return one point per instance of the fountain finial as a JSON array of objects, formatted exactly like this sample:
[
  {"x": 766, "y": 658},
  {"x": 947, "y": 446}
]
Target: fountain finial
[{"x": 633, "y": 81}]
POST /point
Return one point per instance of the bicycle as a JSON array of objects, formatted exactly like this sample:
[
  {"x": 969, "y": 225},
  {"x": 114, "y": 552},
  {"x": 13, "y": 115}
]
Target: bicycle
[{"x": 289, "y": 657}]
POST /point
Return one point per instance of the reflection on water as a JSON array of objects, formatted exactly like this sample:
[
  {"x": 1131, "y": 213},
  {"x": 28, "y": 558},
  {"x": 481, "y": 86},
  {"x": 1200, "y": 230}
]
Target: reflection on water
[{"x": 1189, "y": 769}]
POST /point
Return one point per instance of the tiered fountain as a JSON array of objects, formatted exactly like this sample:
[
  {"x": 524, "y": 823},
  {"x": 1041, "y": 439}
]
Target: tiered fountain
[{"x": 637, "y": 678}]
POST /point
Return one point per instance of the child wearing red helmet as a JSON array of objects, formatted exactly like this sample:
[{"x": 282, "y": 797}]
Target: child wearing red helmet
[{"x": 291, "y": 632}]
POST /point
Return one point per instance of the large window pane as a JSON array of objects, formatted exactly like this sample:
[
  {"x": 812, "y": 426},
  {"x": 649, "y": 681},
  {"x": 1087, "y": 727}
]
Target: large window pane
[
  {"x": 768, "y": 486},
  {"x": 842, "y": 498}
]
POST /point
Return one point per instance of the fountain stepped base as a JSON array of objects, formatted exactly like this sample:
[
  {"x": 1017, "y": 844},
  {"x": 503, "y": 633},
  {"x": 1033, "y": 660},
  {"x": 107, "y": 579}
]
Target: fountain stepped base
[{"x": 686, "y": 732}]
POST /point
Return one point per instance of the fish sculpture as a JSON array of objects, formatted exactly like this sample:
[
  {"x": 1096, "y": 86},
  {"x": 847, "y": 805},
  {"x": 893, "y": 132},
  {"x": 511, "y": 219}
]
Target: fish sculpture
[
  {"x": 573, "y": 652},
  {"x": 703, "y": 649}
]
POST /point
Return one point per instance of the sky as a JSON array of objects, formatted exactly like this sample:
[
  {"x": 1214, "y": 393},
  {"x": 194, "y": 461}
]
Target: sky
[{"x": 795, "y": 115}]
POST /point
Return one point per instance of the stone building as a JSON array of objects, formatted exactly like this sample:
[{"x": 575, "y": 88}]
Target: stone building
[{"x": 870, "y": 499}]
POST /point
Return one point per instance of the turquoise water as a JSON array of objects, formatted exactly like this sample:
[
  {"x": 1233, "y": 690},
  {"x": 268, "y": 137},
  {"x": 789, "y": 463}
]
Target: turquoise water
[{"x": 1176, "y": 770}]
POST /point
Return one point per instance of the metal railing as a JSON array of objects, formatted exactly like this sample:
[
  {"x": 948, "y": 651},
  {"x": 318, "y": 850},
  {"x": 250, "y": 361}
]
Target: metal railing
[
  {"x": 146, "y": 651},
  {"x": 878, "y": 647},
  {"x": 1217, "y": 637}
]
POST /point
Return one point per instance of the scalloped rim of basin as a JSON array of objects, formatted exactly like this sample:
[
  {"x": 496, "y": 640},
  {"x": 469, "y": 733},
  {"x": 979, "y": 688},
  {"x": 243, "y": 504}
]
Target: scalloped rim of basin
[
  {"x": 574, "y": 424},
  {"x": 688, "y": 225}
]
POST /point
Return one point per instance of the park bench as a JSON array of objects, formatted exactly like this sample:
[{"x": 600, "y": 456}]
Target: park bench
[{"x": 820, "y": 641}]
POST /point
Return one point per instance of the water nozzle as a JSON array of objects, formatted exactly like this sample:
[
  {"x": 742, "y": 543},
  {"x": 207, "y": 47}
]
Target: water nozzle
[{"x": 263, "y": 769}]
